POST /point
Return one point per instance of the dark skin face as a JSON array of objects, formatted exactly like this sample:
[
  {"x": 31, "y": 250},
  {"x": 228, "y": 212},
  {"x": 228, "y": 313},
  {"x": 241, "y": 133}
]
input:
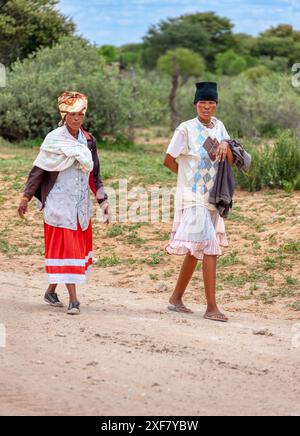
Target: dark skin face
[
  {"x": 206, "y": 110},
  {"x": 74, "y": 121}
]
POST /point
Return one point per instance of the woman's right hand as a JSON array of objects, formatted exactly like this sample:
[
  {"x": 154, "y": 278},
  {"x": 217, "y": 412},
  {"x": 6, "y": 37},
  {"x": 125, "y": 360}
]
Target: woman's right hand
[
  {"x": 106, "y": 212},
  {"x": 23, "y": 208}
]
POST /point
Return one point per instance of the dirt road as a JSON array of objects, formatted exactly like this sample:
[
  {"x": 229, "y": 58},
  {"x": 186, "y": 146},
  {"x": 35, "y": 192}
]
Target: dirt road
[{"x": 126, "y": 355}]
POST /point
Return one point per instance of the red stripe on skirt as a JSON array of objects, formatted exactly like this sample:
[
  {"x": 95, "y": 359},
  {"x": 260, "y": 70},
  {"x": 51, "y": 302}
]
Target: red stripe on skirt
[{"x": 65, "y": 269}]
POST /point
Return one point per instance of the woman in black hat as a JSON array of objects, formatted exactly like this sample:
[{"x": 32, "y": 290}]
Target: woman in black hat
[{"x": 198, "y": 231}]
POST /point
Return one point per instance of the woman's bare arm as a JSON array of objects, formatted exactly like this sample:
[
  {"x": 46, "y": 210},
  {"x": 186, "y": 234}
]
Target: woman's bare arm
[
  {"x": 230, "y": 156},
  {"x": 170, "y": 162}
]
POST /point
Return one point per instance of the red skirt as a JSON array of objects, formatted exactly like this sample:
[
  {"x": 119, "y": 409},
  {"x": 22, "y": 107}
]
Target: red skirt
[{"x": 68, "y": 254}]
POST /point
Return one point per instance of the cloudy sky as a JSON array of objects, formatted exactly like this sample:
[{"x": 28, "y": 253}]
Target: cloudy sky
[{"x": 123, "y": 21}]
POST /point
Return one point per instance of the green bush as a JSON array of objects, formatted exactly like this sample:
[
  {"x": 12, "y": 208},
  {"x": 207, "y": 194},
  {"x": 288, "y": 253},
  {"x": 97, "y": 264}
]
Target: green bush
[
  {"x": 273, "y": 165},
  {"x": 230, "y": 63},
  {"x": 259, "y": 108},
  {"x": 109, "y": 52},
  {"x": 256, "y": 73},
  {"x": 28, "y": 105},
  {"x": 250, "y": 108},
  {"x": 277, "y": 64}
]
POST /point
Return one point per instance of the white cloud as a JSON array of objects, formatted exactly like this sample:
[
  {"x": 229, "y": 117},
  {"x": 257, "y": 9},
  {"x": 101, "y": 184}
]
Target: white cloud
[{"x": 123, "y": 21}]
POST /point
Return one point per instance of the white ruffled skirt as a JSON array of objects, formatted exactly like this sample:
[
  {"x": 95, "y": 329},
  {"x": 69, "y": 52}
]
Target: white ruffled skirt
[{"x": 198, "y": 231}]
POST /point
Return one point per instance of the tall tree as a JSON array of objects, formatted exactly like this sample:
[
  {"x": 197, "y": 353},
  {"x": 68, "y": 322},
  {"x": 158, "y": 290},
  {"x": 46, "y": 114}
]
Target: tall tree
[
  {"x": 27, "y": 25},
  {"x": 243, "y": 43},
  {"x": 171, "y": 34},
  {"x": 180, "y": 64},
  {"x": 219, "y": 31},
  {"x": 203, "y": 33},
  {"x": 282, "y": 42},
  {"x": 282, "y": 31}
]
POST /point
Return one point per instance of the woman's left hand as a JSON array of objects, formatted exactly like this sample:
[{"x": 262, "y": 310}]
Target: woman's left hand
[{"x": 222, "y": 151}]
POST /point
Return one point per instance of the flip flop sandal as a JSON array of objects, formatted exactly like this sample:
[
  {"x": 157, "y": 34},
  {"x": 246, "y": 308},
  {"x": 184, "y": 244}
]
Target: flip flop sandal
[
  {"x": 219, "y": 317},
  {"x": 179, "y": 308}
]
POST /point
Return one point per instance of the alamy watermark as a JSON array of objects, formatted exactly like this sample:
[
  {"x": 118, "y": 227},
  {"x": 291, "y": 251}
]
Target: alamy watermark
[
  {"x": 2, "y": 336},
  {"x": 158, "y": 204},
  {"x": 138, "y": 204},
  {"x": 2, "y": 76},
  {"x": 296, "y": 335},
  {"x": 296, "y": 76}
]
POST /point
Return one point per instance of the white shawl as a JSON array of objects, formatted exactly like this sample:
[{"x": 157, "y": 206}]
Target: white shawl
[{"x": 60, "y": 150}]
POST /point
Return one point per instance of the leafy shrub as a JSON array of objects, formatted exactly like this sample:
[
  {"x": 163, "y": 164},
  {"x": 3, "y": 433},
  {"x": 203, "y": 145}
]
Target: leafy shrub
[
  {"x": 274, "y": 166},
  {"x": 117, "y": 101},
  {"x": 230, "y": 63},
  {"x": 255, "y": 73},
  {"x": 250, "y": 108}
]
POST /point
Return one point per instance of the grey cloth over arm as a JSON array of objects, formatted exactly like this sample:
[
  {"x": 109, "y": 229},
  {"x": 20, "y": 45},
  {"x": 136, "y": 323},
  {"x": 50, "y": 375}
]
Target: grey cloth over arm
[
  {"x": 222, "y": 193},
  {"x": 242, "y": 159}
]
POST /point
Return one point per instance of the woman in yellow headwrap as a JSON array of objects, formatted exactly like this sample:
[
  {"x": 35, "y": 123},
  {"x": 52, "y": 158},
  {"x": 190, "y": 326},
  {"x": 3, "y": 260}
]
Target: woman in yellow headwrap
[{"x": 66, "y": 167}]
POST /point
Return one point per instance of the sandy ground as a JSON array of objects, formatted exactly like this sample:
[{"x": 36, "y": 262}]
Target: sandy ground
[{"x": 126, "y": 355}]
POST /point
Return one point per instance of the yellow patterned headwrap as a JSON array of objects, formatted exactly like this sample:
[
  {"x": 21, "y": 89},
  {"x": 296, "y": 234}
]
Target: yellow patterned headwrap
[{"x": 72, "y": 102}]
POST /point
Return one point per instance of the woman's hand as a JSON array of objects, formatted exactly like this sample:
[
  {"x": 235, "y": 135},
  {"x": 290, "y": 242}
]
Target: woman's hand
[
  {"x": 106, "y": 212},
  {"x": 222, "y": 151},
  {"x": 23, "y": 208}
]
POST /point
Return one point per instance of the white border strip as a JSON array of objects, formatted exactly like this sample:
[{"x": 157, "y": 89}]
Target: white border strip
[{"x": 70, "y": 279}]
